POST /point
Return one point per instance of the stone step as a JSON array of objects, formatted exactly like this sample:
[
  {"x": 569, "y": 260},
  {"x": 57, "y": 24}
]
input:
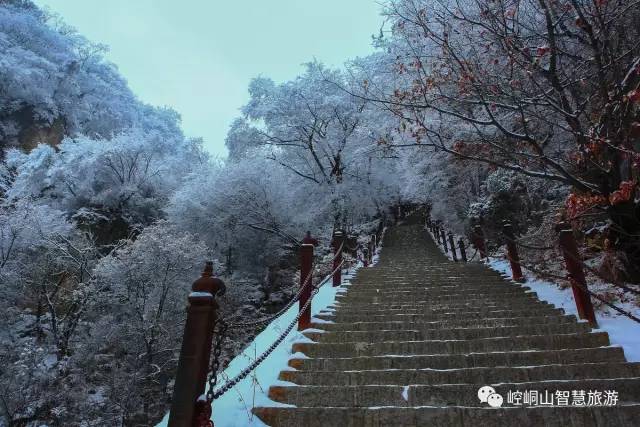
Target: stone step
[
  {"x": 431, "y": 282},
  {"x": 450, "y": 305},
  {"x": 475, "y": 298},
  {"x": 434, "y": 292},
  {"x": 532, "y": 342},
  {"x": 419, "y": 272},
  {"x": 346, "y": 316},
  {"x": 528, "y": 311},
  {"x": 464, "y": 375},
  {"x": 417, "y": 334},
  {"x": 409, "y": 342},
  {"x": 628, "y": 390},
  {"x": 389, "y": 416},
  {"x": 358, "y": 289},
  {"x": 385, "y": 324},
  {"x": 458, "y": 361}
]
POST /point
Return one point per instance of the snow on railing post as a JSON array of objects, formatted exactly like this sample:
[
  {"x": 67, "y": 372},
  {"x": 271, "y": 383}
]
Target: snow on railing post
[
  {"x": 512, "y": 252},
  {"x": 306, "y": 283},
  {"x": 576, "y": 273},
  {"x": 453, "y": 247},
  {"x": 463, "y": 252},
  {"x": 193, "y": 364},
  {"x": 479, "y": 242},
  {"x": 338, "y": 248}
]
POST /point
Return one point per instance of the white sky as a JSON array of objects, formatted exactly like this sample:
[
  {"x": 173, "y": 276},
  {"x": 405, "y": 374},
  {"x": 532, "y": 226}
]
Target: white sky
[{"x": 198, "y": 56}]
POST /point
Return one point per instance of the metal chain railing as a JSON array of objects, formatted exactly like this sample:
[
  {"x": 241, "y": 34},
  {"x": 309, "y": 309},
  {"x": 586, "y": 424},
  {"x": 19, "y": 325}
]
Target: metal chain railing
[
  {"x": 604, "y": 301},
  {"x": 550, "y": 275},
  {"x": 599, "y": 275},
  {"x": 584, "y": 265},
  {"x": 246, "y": 371},
  {"x": 294, "y": 299},
  {"x": 219, "y": 338},
  {"x": 270, "y": 318},
  {"x": 580, "y": 286}
]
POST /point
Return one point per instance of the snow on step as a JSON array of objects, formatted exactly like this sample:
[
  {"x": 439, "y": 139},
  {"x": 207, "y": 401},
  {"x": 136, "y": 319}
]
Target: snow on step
[{"x": 413, "y": 339}]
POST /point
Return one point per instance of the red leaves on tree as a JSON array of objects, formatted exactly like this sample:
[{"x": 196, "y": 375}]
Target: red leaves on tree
[
  {"x": 579, "y": 203},
  {"x": 623, "y": 194},
  {"x": 542, "y": 50},
  {"x": 634, "y": 95}
]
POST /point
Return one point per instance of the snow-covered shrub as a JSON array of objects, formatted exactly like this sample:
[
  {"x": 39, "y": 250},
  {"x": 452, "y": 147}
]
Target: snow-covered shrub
[{"x": 139, "y": 314}]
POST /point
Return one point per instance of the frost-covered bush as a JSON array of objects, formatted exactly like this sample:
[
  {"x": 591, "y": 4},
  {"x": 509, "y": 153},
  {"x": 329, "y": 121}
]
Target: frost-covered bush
[
  {"x": 26, "y": 227},
  {"x": 128, "y": 179},
  {"x": 510, "y": 197},
  {"x": 50, "y": 72},
  {"x": 139, "y": 314}
]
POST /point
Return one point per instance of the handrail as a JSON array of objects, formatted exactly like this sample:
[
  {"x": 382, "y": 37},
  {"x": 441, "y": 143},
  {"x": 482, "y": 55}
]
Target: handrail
[{"x": 572, "y": 260}]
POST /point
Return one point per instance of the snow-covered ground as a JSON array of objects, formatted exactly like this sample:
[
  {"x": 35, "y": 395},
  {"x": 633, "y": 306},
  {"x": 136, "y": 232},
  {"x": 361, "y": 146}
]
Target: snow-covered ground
[
  {"x": 233, "y": 409},
  {"x": 622, "y": 331}
]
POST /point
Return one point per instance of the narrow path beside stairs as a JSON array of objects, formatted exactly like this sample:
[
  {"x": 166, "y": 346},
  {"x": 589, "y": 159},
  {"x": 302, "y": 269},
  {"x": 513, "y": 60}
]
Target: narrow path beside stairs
[{"x": 415, "y": 337}]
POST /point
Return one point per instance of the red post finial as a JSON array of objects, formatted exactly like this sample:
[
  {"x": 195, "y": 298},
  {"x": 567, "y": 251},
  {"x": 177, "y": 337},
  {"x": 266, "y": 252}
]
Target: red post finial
[
  {"x": 208, "y": 283},
  {"x": 208, "y": 269}
]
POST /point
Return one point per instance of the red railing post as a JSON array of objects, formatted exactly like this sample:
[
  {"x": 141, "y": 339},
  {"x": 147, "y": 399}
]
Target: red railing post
[
  {"x": 338, "y": 249},
  {"x": 512, "y": 252},
  {"x": 463, "y": 252},
  {"x": 193, "y": 364},
  {"x": 444, "y": 240},
  {"x": 577, "y": 279},
  {"x": 306, "y": 283},
  {"x": 453, "y": 247},
  {"x": 478, "y": 241}
]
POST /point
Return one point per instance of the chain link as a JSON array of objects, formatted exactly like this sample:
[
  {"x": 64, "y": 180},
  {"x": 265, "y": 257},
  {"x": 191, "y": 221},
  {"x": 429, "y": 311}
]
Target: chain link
[
  {"x": 579, "y": 260},
  {"x": 217, "y": 352},
  {"x": 583, "y": 288},
  {"x": 602, "y": 300},
  {"x": 246, "y": 371},
  {"x": 296, "y": 297},
  {"x": 599, "y": 275},
  {"x": 265, "y": 320}
]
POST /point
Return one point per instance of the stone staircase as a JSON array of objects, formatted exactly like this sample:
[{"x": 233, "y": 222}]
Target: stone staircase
[{"x": 414, "y": 338}]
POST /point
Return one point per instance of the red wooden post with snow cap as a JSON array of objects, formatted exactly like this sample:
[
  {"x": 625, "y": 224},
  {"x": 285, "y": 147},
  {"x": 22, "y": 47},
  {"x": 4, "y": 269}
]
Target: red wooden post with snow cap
[
  {"x": 306, "y": 283},
  {"x": 453, "y": 247},
  {"x": 512, "y": 252},
  {"x": 478, "y": 241},
  {"x": 193, "y": 364},
  {"x": 577, "y": 279},
  {"x": 338, "y": 249}
]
